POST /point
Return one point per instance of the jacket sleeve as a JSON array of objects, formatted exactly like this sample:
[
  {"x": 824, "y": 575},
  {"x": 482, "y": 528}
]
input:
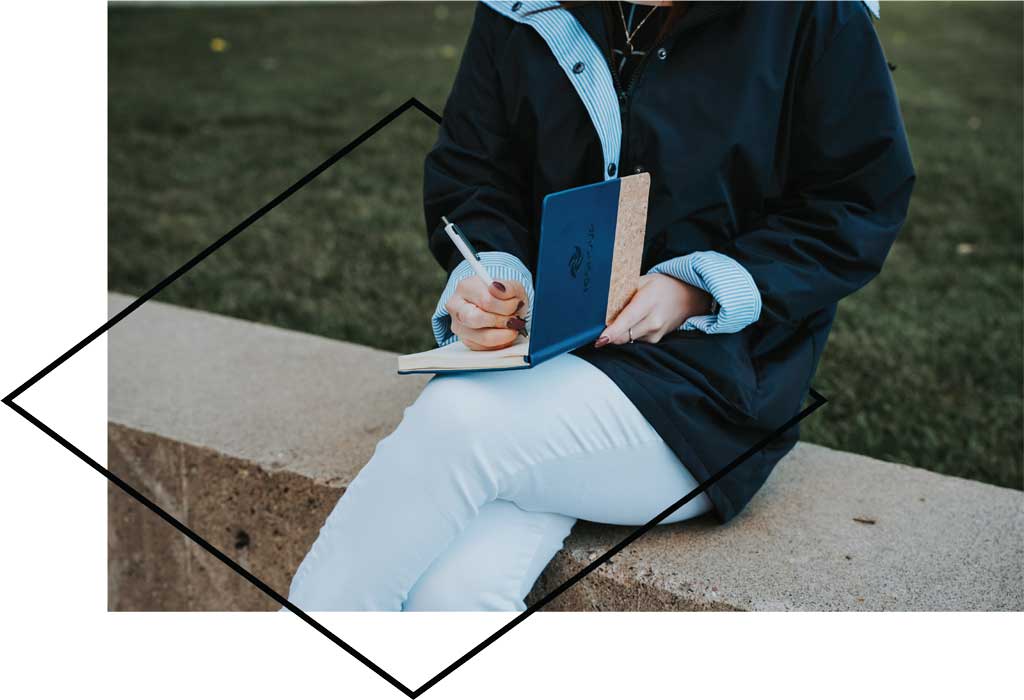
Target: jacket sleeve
[
  {"x": 728, "y": 283},
  {"x": 849, "y": 177},
  {"x": 472, "y": 174}
]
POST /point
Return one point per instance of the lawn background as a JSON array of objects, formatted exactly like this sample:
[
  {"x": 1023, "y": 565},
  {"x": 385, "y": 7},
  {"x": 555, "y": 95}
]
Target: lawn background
[{"x": 214, "y": 110}]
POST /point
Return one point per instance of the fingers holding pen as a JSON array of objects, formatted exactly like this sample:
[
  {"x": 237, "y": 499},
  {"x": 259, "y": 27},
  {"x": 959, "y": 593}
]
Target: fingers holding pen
[
  {"x": 469, "y": 315},
  {"x": 507, "y": 290},
  {"x": 484, "y": 338},
  {"x": 485, "y": 317},
  {"x": 477, "y": 292},
  {"x": 506, "y": 302},
  {"x": 483, "y": 309}
]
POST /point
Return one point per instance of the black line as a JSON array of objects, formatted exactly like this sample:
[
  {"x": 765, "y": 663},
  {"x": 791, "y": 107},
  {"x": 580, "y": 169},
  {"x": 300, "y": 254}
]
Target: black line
[
  {"x": 256, "y": 581},
  {"x": 629, "y": 539}
]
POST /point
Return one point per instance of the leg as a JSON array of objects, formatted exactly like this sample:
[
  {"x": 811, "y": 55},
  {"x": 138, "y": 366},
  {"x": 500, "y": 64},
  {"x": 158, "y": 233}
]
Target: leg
[
  {"x": 493, "y": 563},
  {"x": 468, "y": 439},
  {"x": 623, "y": 486}
]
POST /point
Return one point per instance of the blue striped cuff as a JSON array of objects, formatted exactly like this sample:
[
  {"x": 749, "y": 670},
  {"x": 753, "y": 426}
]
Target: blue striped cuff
[
  {"x": 723, "y": 278},
  {"x": 500, "y": 266}
]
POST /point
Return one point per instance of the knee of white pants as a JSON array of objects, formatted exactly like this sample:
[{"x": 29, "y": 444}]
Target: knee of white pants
[
  {"x": 445, "y": 452},
  {"x": 450, "y": 424},
  {"x": 459, "y": 404}
]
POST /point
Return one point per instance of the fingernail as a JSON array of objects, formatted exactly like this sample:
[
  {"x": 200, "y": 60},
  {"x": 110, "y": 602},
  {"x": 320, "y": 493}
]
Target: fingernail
[
  {"x": 499, "y": 286},
  {"x": 602, "y": 341},
  {"x": 516, "y": 323},
  {"x": 520, "y": 304}
]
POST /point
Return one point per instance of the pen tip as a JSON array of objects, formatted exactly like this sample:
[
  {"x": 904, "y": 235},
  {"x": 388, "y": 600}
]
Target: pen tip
[{"x": 445, "y": 220}]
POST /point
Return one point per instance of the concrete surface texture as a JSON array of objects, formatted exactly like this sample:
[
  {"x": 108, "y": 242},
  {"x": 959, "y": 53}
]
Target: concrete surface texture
[{"x": 249, "y": 434}]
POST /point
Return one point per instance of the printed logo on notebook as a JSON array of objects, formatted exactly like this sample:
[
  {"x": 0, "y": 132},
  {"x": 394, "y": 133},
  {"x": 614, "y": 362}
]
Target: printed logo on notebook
[{"x": 575, "y": 261}]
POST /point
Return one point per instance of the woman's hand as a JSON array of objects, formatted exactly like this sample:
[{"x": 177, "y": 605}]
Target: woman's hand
[
  {"x": 661, "y": 304},
  {"x": 484, "y": 317}
]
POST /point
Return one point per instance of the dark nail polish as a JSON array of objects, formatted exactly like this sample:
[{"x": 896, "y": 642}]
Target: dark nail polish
[
  {"x": 516, "y": 323},
  {"x": 520, "y": 305},
  {"x": 499, "y": 286},
  {"x": 602, "y": 341}
]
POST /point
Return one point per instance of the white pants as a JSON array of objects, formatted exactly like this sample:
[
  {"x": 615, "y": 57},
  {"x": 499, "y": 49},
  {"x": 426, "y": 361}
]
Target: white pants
[{"x": 466, "y": 502}]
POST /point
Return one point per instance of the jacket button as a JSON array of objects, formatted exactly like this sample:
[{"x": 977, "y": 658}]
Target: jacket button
[
  {"x": 611, "y": 168},
  {"x": 516, "y": 6},
  {"x": 638, "y": 169},
  {"x": 622, "y": 96},
  {"x": 662, "y": 53},
  {"x": 578, "y": 68}
]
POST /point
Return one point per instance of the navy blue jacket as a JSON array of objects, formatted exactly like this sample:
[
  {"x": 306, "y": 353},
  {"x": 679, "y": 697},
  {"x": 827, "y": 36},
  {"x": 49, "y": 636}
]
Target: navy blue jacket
[{"x": 772, "y": 134}]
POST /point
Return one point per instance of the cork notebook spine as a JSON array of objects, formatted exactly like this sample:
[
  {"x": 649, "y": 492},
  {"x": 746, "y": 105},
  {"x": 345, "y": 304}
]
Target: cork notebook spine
[{"x": 630, "y": 228}]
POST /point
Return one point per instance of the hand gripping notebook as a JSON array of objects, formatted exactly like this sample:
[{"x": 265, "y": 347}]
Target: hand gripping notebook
[{"x": 588, "y": 267}]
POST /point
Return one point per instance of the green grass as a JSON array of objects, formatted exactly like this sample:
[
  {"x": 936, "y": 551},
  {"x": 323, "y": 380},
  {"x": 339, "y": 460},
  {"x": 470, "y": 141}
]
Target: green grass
[{"x": 924, "y": 366}]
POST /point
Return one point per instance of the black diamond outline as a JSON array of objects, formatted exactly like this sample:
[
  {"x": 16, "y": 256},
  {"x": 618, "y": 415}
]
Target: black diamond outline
[{"x": 412, "y": 102}]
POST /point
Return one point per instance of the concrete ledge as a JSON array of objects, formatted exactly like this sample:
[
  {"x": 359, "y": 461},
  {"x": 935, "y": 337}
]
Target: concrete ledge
[{"x": 249, "y": 434}]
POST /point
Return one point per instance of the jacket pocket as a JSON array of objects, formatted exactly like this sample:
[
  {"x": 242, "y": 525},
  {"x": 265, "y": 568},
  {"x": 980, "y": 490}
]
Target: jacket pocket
[{"x": 721, "y": 365}]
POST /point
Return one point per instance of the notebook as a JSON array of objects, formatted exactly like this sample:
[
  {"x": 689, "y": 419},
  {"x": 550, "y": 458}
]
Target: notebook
[{"x": 588, "y": 268}]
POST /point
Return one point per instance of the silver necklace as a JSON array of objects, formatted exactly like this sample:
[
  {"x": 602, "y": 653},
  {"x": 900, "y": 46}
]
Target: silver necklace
[{"x": 625, "y": 27}]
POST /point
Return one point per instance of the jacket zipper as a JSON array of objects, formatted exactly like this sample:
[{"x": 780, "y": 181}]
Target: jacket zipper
[{"x": 624, "y": 95}]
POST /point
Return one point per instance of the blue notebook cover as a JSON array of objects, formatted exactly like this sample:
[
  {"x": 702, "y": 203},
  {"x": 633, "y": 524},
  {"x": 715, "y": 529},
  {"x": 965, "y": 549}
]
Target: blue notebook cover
[
  {"x": 574, "y": 268},
  {"x": 574, "y": 271}
]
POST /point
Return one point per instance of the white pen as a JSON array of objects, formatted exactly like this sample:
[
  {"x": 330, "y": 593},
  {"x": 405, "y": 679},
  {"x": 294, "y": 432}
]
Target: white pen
[{"x": 466, "y": 248}]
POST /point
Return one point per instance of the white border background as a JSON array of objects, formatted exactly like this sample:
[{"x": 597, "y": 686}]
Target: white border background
[{"x": 57, "y": 635}]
